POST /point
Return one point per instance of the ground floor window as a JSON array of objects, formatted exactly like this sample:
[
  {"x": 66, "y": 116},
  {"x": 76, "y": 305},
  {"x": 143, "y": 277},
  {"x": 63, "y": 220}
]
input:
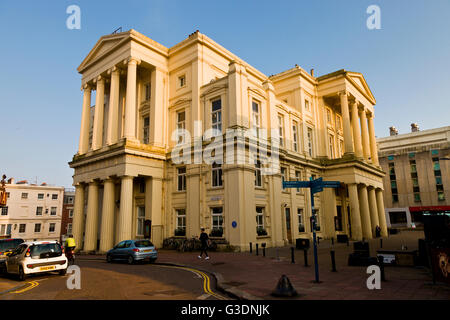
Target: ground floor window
[
  {"x": 22, "y": 228},
  {"x": 316, "y": 211},
  {"x": 181, "y": 222},
  {"x": 140, "y": 221},
  {"x": 260, "y": 230},
  {"x": 301, "y": 222},
  {"x": 217, "y": 222},
  {"x": 37, "y": 227},
  {"x": 52, "y": 227},
  {"x": 338, "y": 219},
  {"x": 398, "y": 217}
]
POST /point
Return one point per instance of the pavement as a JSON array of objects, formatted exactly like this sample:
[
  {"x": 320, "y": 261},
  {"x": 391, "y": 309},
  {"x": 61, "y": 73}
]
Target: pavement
[{"x": 247, "y": 276}]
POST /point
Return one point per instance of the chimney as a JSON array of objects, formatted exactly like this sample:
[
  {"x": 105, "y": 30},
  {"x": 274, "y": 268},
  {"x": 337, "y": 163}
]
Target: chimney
[
  {"x": 414, "y": 127},
  {"x": 312, "y": 72},
  {"x": 393, "y": 131}
]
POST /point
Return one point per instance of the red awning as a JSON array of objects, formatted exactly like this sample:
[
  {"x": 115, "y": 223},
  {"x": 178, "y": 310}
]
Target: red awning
[{"x": 429, "y": 208}]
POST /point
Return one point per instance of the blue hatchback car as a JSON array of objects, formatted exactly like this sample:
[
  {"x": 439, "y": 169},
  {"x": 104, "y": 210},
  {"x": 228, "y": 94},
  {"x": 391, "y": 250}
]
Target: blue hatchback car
[{"x": 132, "y": 251}]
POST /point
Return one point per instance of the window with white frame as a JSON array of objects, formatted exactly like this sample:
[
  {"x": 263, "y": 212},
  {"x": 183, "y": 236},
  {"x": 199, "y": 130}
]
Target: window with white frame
[
  {"x": 40, "y": 196},
  {"x": 52, "y": 227},
  {"x": 39, "y": 211},
  {"x": 53, "y": 211},
  {"x": 310, "y": 141},
  {"x": 256, "y": 116},
  {"x": 281, "y": 129},
  {"x": 146, "y": 130},
  {"x": 295, "y": 135},
  {"x": 22, "y": 228},
  {"x": 181, "y": 177},
  {"x": 3, "y": 230},
  {"x": 216, "y": 115},
  {"x": 71, "y": 213},
  {"x": 24, "y": 195},
  {"x": 301, "y": 221},
  {"x": 259, "y": 218},
  {"x": 216, "y": 175},
  {"x": 181, "y": 125},
  {"x": 140, "y": 221},
  {"x": 182, "y": 81},
  {"x": 37, "y": 227},
  {"x": 258, "y": 174},
  {"x": 331, "y": 146},
  {"x": 4, "y": 211},
  {"x": 217, "y": 218},
  {"x": 69, "y": 228},
  {"x": 54, "y": 196},
  {"x": 181, "y": 219}
]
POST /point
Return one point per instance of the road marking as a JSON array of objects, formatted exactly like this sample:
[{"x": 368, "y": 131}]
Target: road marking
[
  {"x": 206, "y": 281},
  {"x": 203, "y": 296},
  {"x": 32, "y": 284}
]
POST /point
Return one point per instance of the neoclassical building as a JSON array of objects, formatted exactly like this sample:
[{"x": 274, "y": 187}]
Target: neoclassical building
[{"x": 126, "y": 174}]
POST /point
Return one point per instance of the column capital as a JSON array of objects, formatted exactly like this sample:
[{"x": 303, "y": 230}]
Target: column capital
[
  {"x": 362, "y": 108},
  {"x": 114, "y": 70},
  {"x": 132, "y": 60},
  {"x": 343, "y": 92},
  {"x": 86, "y": 86},
  {"x": 98, "y": 79}
]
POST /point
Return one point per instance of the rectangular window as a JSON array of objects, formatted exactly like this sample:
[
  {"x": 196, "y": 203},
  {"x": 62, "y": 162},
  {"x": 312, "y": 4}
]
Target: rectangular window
[
  {"x": 146, "y": 130},
  {"x": 441, "y": 196},
  {"x": 307, "y": 104},
  {"x": 22, "y": 228},
  {"x": 259, "y": 219},
  {"x": 295, "y": 135},
  {"x": 217, "y": 220},
  {"x": 298, "y": 177},
  {"x": 338, "y": 219},
  {"x": 71, "y": 213},
  {"x": 69, "y": 228},
  {"x": 182, "y": 81},
  {"x": 8, "y": 229},
  {"x": 216, "y": 115},
  {"x": 7, "y": 195},
  {"x": 281, "y": 129},
  {"x": 331, "y": 146},
  {"x": 53, "y": 211},
  {"x": 338, "y": 123},
  {"x": 216, "y": 175},
  {"x": 181, "y": 125},
  {"x": 310, "y": 142},
  {"x": 417, "y": 197},
  {"x": 181, "y": 174},
  {"x": 4, "y": 211},
  {"x": 328, "y": 116},
  {"x": 284, "y": 176},
  {"x": 140, "y": 221},
  {"x": 301, "y": 223},
  {"x": 181, "y": 220},
  {"x": 258, "y": 176},
  {"x": 24, "y": 195},
  {"x": 37, "y": 227},
  {"x": 51, "y": 227},
  {"x": 256, "y": 115},
  {"x": 70, "y": 200},
  {"x": 39, "y": 211},
  {"x": 54, "y": 196},
  {"x": 40, "y": 196},
  {"x": 147, "y": 91},
  {"x": 2, "y": 229},
  {"x": 341, "y": 147}
]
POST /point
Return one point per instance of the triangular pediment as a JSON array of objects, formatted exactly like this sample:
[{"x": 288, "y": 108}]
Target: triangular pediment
[
  {"x": 357, "y": 79},
  {"x": 104, "y": 45}
]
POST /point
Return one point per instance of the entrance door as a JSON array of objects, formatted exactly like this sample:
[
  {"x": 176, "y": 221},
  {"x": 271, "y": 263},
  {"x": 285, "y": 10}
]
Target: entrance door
[{"x": 287, "y": 212}]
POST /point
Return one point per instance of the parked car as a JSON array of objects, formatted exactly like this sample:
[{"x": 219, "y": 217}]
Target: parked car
[
  {"x": 132, "y": 251},
  {"x": 7, "y": 246},
  {"x": 36, "y": 257}
]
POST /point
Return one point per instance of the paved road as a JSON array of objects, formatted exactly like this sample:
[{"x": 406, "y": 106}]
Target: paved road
[{"x": 102, "y": 280}]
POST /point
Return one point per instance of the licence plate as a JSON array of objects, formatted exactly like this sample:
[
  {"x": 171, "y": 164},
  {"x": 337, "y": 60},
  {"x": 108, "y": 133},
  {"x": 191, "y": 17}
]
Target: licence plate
[
  {"x": 47, "y": 268},
  {"x": 149, "y": 250}
]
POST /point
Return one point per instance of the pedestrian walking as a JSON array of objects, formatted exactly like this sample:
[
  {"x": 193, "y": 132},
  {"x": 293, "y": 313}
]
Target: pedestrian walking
[{"x": 204, "y": 239}]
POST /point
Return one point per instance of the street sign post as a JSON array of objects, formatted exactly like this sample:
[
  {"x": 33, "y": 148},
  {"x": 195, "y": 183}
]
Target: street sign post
[{"x": 314, "y": 186}]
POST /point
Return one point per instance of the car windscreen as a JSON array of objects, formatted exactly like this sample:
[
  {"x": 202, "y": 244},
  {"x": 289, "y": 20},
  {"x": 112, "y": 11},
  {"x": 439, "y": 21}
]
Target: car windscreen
[
  {"x": 45, "y": 250},
  {"x": 143, "y": 244},
  {"x": 6, "y": 245}
]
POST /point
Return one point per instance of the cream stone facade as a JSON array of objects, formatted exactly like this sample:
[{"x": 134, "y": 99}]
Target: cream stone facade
[
  {"x": 418, "y": 174},
  {"x": 125, "y": 172}
]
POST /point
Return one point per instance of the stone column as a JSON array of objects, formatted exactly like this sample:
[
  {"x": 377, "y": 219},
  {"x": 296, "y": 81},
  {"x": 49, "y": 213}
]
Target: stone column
[
  {"x": 107, "y": 226},
  {"x": 348, "y": 142},
  {"x": 355, "y": 215},
  {"x": 83, "y": 146},
  {"x": 365, "y": 213},
  {"x": 373, "y": 142},
  {"x": 130, "y": 108},
  {"x": 381, "y": 212},
  {"x": 97, "y": 131},
  {"x": 365, "y": 135},
  {"x": 90, "y": 242},
  {"x": 356, "y": 130},
  {"x": 125, "y": 219},
  {"x": 153, "y": 211},
  {"x": 373, "y": 210},
  {"x": 78, "y": 216},
  {"x": 157, "y": 108},
  {"x": 113, "y": 114}
]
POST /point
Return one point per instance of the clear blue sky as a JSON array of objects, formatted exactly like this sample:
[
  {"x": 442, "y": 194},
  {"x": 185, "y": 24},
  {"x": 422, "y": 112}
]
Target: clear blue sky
[{"x": 406, "y": 63}]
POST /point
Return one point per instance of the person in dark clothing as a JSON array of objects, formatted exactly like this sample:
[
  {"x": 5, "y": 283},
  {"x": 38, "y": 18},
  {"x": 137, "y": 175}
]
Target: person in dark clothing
[
  {"x": 377, "y": 231},
  {"x": 204, "y": 239}
]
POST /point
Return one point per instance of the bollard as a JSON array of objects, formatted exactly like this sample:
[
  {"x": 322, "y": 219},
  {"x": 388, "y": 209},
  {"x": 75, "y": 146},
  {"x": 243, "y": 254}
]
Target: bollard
[
  {"x": 381, "y": 265},
  {"x": 305, "y": 254},
  {"x": 332, "y": 241},
  {"x": 381, "y": 243},
  {"x": 333, "y": 261},
  {"x": 257, "y": 249},
  {"x": 292, "y": 255},
  {"x": 264, "y": 251},
  {"x": 250, "y": 247}
]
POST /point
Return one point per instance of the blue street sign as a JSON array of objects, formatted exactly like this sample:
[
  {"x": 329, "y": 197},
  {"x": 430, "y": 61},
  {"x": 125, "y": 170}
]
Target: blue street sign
[
  {"x": 296, "y": 184},
  {"x": 317, "y": 188}
]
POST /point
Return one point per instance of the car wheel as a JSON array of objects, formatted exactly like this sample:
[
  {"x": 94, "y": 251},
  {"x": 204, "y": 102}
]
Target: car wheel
[
  {"x": 109, "y": 258},
  {"x": 130, "y": 260},
  {"x": 22, "y": 275},
  {"x": 63, "y": 272}
]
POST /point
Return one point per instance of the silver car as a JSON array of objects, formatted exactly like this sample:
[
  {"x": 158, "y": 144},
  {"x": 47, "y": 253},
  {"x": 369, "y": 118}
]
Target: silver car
[{"x": 132, "y": 251}]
